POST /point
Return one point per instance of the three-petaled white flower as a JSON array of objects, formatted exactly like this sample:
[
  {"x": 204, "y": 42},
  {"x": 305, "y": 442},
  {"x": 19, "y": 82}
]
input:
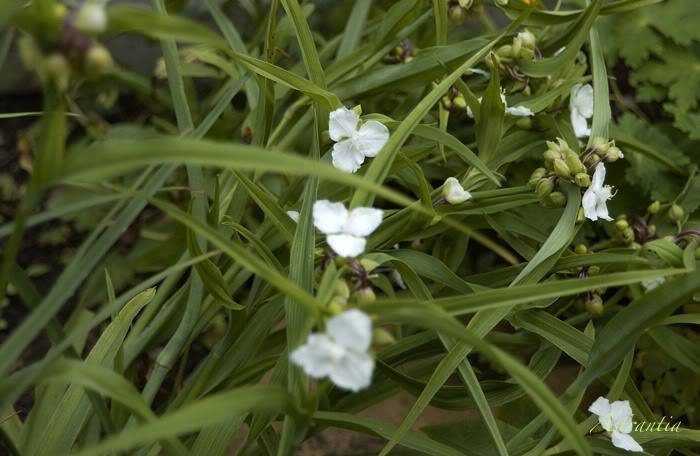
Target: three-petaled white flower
[
  {"x": 650, "y": 284},
  {"x": 354, "y": 142},
  {"x": 340, "y": 352},
  {"x": 515, "y": 111},
  {"x": 345, "y": 230},
  {"x": 581, "y": 107},
  {"x": 616, "y": 418},
  {"x": 453, "y": 192},
  {"x": 596, "y": 196}
]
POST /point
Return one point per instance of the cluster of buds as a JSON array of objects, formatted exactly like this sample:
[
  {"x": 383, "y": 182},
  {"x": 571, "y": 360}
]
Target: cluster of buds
[
  {"x": 453, "y": 100},
  {"x": 602, "y": 150},
  {"x": 623, "y": 231},
  {"x": 403, "y": 53},
  {"x": 560, "y": 163},
  {"x": 76, "y": 50},
  {"x": 457, "y": 10},
  {"x": 508, "y": 57}
]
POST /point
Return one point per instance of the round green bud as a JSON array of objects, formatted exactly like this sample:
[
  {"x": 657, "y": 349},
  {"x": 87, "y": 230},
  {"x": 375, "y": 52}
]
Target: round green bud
[
  {"x": 446, "y": 102},
  {"x": 598, "y": 141},
  {"x": 505, "y": 51},
  {"x": 91, "y": 17},
  {"x": 581, "y": 249},
  {"x": 459, "y": 102},
  {"x": 556, "y": 199},
  {"x": 341, "y": 289},
  {"x": 528, "y": 39},
  {"x": 654, "y": 207},
  {"x": 614, "y": 153},
  {"x": 57, "y": 69},
  {"x": 524, "y": 122},
  {"x": 98, "y": 61},
  {"x": 382, "y": 337},
  {"x": 337, "y": 305},
  {"x": 551, "y": 155},
  {"x": 544, "y": 187},
  {"x": 676, "y": 213},
  {"x": 574, "y": 163},
  {"x": 621, "y": 225},
  {"x": 365, "y": 296},
  {"x": 594, "y": 306},
  {"x": 561, "y": 169},
  {"x": 628, "y": 235},
  {"x": 651, "y": 230},
  {"x": 583, "y": 180},
  {"x": 538, "y": 173},
  {"x": 517, "y": 45},
  {"x": 593, "y": 270}
]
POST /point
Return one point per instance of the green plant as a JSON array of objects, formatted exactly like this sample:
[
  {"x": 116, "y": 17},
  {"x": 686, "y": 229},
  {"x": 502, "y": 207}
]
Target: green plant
[{"x": 347, "y": 201}]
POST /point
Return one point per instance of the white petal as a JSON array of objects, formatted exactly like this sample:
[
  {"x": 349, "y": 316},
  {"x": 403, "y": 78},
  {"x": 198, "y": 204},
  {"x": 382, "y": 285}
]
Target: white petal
[
  {"x": 346, "y": 157},
  {"x": 601, "y": 208},
  {"x": 580, "y": 124},
  {"x": 626, "y": 442},
  {"x": 362, "y": 221},
  {"x": 352, "y": 329},
  {"x": 582, "y": 99},
  {"x": 598, "y": 176},
  {"x": 478, "y": 71},
  {"x": 318, "y": 355},
  {"x": 353, "y": 372},
  {"x": 601, "y": 407},
  {"x": 589, "y": 204},
  {"x": 342, "y": 123},
  {"x": 453, "y": 191},
  {"x": 329, "y": 217},
  {"x": 520, "y": 111},
  {"x": 347, "y": 245},
  {"x": 92, "y": 17},
  {"x": 372, "y": 137},
  {"x": 294, "y": 215},
  {"x": 621, "y": 413}
]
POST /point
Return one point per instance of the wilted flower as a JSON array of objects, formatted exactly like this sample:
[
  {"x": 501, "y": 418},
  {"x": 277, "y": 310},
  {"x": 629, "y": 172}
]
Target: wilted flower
[
  {"x": 581, "y": 107},
  {"x": 453, "y": 192},
  {"x": 596, "y": 196},
  {"x": 354, "y": 142},
  {"x": 616, "y": 419},
  {"x": 340, "y": 353},
  {"x": 345, "y": 230}
]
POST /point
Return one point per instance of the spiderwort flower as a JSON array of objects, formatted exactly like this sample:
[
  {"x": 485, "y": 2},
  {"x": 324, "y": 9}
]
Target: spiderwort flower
[
  {"x": 341, "y": 352},
  {"x": 345, "y": 230},
  {"x": 616, "y": 418},
  {"x": 515, "y": 111},
  {"x": 581, "y": 107},
  {"x": 354, "y": 142},
  {"x": 453, "y": 192},
  {"x": 596, "y": 196}
]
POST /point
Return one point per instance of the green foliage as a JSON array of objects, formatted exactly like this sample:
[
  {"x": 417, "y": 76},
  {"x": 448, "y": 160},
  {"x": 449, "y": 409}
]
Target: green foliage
[{"x": 163, "y": 257}]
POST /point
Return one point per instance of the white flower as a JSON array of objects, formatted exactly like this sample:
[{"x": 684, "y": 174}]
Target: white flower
[
  {"x": 478, "y": 71},
  {"x": 516, "y": 111},
  {"x": 650, "y": 284},
  {"x": 453, "y": 192},
  {"x": 92, "y": 17},
  {"x": 353, "y": 144},
  {"x": 340, "y": 353},
  {"x": 345, "y": 230},
  {"x": 616, "y": 418},
  {"x": 581, "y": 107},
  {"x": 596, "y": 196},
  {"x": 294, "y": 215}
]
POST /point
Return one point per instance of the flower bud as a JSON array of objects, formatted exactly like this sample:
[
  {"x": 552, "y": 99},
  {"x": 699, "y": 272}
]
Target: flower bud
[
  {"x": 337, "y": 305},
  {"x": 580, "y": 216},
  {"x": 365, "y": 296},
  {"x": 651, "y": 230},
  {"x": 593, "y": 270},
  {"x": 98, "y": 61},
  {"x": 556, "y": 199},
  {"x": 551, "y": 155},
  {"x": 583, "y": 180},
  {"x": 524, "y": 122},
  {"x": 654, "y": 207},
  {"x": 544, "y": 187},
  {"x": 574, "y": 163},
  {"x": 614, "y": 153},
  {"x": 676, "y": 213},
  {"x": 594, "y": 305},
  {"x": 466, "y": 4},
  {"x": 621, "y": 225},
  {"x": 528, "y": 39},
  {"x": 456, "y": 14},
  {"x": 601, "y": 145},
  {"x": 561, "y": 169},
  {"x": 459, "y": 102},
  {"x": 581, "y": 249},
  {"x": 382, "y": 337},
  {"x": 627, "y": 235},
  {"x": 341, "y": 289},
  {"x": 505, "y": 51},
  {"x": 453, "y": 192},
  {"x": 91, "y": 18},
  {"x": 57, "y": 70},
  {"x": 535, "y": 177}
]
